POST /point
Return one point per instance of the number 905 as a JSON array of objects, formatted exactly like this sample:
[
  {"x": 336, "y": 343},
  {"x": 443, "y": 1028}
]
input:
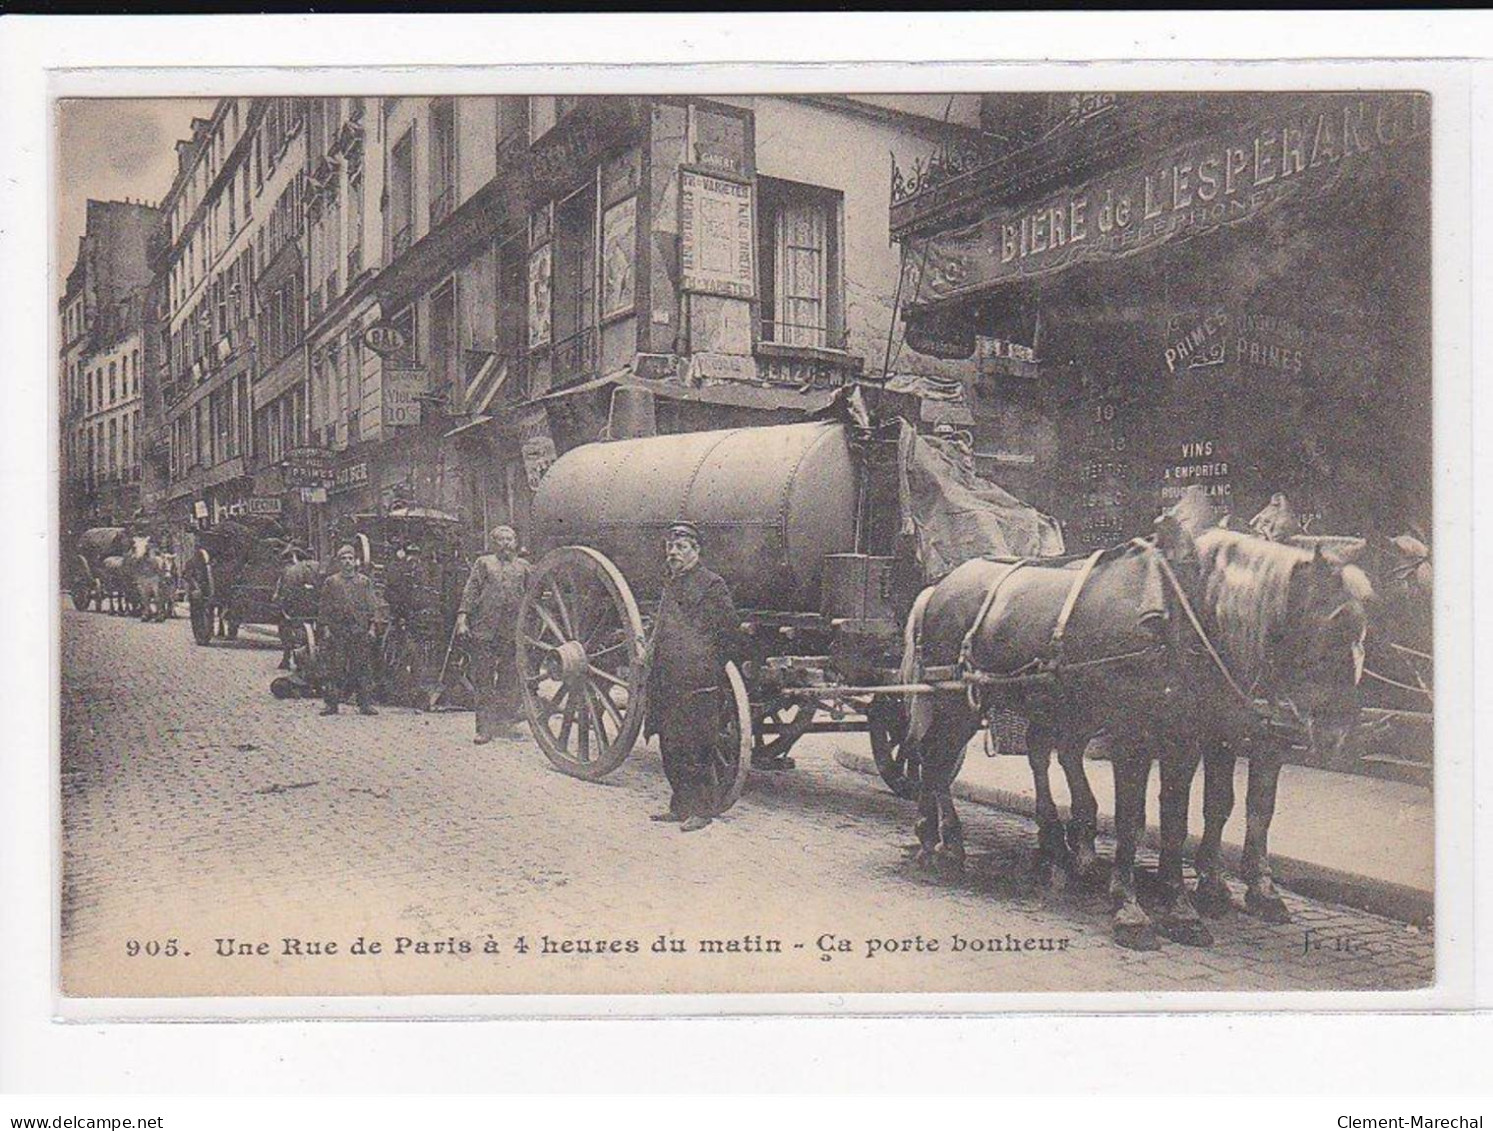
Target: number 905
[{"x": 152, "y": 948}]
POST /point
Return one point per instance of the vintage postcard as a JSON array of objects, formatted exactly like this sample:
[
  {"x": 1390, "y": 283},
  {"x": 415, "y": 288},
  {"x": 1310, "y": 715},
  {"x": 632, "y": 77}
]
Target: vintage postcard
[{"x": 975, "y": 541}]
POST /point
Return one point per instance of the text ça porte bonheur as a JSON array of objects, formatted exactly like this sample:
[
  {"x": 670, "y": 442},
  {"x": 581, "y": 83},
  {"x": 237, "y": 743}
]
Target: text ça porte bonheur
[{"x": 827, "y": 946}]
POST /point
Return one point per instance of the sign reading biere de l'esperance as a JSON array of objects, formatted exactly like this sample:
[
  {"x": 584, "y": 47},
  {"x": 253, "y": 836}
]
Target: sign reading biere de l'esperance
[{"x": 1302, "y": 153}]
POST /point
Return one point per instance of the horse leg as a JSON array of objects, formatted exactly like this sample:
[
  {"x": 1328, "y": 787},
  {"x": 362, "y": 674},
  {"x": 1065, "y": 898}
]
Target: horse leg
[
  {"x": 1132, "y": 926},
  {"x": 1083, "y": 823},
  {"x": 1181, "y": 921},
  {"x": 1212, "y": 896},
  {"x": 926, "y": 826},
  {"x": 1261, "y": 898},
  {"x": 950, "y": 733},
  {"x": 1050, "y": 847}
]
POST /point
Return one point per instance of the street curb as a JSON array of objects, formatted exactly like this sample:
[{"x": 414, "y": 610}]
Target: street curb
[{"x": 1318, "y": 881}]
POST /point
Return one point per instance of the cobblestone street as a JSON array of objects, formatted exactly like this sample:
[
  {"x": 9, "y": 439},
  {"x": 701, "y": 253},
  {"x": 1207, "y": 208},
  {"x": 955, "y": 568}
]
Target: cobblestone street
[{"x": 197, "y": 808}]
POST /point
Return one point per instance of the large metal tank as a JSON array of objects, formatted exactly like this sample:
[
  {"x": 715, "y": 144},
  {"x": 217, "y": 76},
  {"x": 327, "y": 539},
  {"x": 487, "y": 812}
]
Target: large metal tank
[{"x": 770, "y": 504}]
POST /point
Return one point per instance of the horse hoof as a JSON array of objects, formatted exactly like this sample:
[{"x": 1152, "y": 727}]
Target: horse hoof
[
  {"x": 1187, "y": 930},
  {"x": 1270, "y": 908},
  {"x": 1136, "y": 936},
  {"x": 1213, "y": 898},
  {"x": 1089, "y": 872},
  {"x": 1042, "y": 870},
  {"x": 949, "y": 861}
]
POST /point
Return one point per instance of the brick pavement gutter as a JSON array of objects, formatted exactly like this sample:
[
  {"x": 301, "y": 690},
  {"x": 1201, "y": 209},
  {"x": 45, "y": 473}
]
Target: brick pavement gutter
[{"x": 1305, "y": 877}]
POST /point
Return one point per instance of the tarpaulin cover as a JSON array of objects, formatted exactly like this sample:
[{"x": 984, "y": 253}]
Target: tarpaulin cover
[{"x": 958, "y": 516}]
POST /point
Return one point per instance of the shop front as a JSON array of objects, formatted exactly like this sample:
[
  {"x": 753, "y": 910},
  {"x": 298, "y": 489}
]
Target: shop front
[{"x": 1234, "y": 294}]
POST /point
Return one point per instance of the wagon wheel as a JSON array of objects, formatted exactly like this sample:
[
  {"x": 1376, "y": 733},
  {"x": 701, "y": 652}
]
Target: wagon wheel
[
  {"x": 82, "y": 591},
  {"x": 900, "y": 762},
  {"x": 731, "y": 754},
  {"x": 202, "y": 620},
  {"x": 780, "y": 724},
  {"x": 580, "y": 662},
  {"x": 200, "y": 600}
]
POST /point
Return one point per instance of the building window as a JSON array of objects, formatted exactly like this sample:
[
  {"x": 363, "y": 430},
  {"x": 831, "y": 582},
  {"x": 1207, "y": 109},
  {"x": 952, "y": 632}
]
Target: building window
[
  {"x": 513, "y": 121},
  {"x": 354, "y": 218},
  {"x": 402, "y": 194},
  {"x": 541, "y": 115},
  {"x": 442, "y": 159},
  {"x": 444, "y": 349},
  {"x": 113, "y": 383},
  {"x": 232, "y": 209},
  {"x": 575, "y": 287},
  {"x": 113, "y": 467},
  {"x": 799, "y": 254}
]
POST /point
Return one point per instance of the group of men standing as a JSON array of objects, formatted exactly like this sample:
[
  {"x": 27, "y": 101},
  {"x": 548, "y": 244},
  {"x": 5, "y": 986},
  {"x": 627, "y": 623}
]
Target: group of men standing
[{"x": 695, "y": 632}]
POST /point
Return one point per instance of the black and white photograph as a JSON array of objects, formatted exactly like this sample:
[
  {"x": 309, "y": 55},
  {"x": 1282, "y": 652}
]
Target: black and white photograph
[{"x": 965, "y": 541}]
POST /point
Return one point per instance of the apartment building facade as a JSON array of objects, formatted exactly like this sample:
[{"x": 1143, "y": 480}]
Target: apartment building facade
[
  {"x": 384, "y": 301},
  {"x": 100, "y": 336}
]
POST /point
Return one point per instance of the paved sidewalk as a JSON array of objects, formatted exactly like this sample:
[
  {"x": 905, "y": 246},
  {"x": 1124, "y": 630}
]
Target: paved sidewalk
[{"x": 1353, "y": 840}]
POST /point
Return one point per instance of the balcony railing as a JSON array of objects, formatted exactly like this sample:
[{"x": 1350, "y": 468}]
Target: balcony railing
[{"x": 575, "y": 358}]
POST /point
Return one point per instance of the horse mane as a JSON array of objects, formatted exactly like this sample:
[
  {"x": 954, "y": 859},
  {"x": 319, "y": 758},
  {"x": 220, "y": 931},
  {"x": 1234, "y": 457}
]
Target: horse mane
[{"x": 1247, "y": 592}]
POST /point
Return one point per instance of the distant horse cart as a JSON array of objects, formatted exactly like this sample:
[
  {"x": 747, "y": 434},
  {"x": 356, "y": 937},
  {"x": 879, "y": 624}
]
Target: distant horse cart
[
  {"x": 98, "y": 569},
  {"x": 231, "y": 576}
]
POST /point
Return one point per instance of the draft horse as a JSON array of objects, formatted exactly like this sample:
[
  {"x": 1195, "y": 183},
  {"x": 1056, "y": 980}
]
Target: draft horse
[{"x": 1120, "y": 645}]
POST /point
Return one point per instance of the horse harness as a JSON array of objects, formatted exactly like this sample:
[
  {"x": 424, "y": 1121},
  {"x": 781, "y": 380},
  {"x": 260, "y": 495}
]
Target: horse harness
[{"x": 1267, "y": 713}]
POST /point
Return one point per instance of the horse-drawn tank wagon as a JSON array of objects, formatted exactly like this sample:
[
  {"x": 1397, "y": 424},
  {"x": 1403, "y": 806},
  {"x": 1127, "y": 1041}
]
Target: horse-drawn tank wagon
[{"x": 825, "y": 532}]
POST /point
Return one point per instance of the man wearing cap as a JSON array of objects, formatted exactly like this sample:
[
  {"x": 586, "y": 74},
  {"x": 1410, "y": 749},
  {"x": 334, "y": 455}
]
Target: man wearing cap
[
  {"x": 696, "y": 632},
  {"x": 488, "y": 619},
  {"x": 346, "y": 613}
]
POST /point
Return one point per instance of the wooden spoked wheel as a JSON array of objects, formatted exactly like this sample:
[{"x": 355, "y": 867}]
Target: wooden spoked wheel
[
  {"x": 780, "y": 724},
  {"x": 82, "y": 591},
  {"x": 899, "y": 761},
  {"x": 731, "y": 755},
  {"x": 580, "y": 662}
]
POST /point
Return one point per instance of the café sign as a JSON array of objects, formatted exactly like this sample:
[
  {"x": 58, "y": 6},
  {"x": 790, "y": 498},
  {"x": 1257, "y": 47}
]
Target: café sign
[{"x": 1306, "y": 151}]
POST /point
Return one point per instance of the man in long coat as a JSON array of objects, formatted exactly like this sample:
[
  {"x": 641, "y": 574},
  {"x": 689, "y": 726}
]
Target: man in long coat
[
  {"x": 488, "y": 619},
  {"x": 346, "y": 613},
  {"x": 696, "y": 632}
]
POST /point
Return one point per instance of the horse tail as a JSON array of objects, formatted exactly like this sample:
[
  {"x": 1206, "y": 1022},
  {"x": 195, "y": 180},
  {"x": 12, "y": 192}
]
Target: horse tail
[{"x": 919, "y": 704}]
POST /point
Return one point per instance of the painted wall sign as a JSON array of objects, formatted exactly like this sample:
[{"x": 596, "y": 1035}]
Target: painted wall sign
[
  {"x": 541, "y": 267},
  {"x": 538, "y": 453},
  {"x": 1303, "y": 153},
  {"x": 349, "y": 478},
  {"x": 619, "y": 231},
  {"x": 265, "y": 504},
  {"x": 716, "y": 236},
  {"x": 402, "y": 388},
  {"x": 384, "y": 339},
  {"x": 308, "y": 467}
]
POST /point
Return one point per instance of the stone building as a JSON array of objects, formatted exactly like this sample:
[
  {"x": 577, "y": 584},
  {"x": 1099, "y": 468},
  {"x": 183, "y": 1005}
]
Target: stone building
[{"x": 100, "y": 360}]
